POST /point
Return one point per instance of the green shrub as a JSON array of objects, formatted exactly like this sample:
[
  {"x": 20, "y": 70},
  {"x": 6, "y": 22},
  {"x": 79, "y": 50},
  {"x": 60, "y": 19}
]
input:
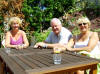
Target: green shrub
[
  {"x": 96, "y": 30},
  {"x": 39, "y": 37},
  {"x": 39, "y": 12},
  {"x": 75, "y": 31}
]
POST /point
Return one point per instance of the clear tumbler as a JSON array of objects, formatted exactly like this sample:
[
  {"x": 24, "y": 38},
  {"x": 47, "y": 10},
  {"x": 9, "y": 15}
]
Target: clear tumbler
[
  {"x": 57, "y": 55},
  {"x": 57, "y": 58}
]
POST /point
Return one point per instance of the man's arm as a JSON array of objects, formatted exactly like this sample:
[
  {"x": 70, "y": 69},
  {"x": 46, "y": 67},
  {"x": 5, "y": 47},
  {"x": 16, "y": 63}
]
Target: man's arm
[{"x": 44, "y": 44}]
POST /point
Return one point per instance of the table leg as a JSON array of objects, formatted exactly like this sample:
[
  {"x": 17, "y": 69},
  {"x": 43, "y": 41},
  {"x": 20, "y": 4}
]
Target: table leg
[
  {"x": 93, "y": 69},
  {"x": 2, "y": 66}
]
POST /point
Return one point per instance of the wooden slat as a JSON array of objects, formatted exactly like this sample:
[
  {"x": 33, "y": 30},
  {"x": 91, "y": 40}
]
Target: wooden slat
[
  {"x": 67, "y": 67},
  {"x": 48, "y": 58},
  {"x": 70, "y": 58},
  {"x": 49, "y": 55},
  {"x": 31, "y": 62},
  {"x": 63, "y": 58},
  {"x": 44, "y": 60},
  {"x": 27, "y": 62},
  {"x": 21, "y": 63},
  {"x": 80, "y": 56},
  {"x": 28, "y": 51},
  {"x": 37, "y": 61},
  {"x": 15, "y": 68}
]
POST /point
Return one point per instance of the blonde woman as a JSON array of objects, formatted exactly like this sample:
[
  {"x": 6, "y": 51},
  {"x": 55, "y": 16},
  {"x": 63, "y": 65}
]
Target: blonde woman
[
  {"x": 15, "y": 37},
  {"x": 86, "y": 42}
]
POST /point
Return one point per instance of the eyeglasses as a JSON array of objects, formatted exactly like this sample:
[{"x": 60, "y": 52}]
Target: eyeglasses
[{"x": 81, "y": 24}]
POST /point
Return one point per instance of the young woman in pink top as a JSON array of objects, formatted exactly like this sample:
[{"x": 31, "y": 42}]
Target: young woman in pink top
[{"x": 16, "y": 37}]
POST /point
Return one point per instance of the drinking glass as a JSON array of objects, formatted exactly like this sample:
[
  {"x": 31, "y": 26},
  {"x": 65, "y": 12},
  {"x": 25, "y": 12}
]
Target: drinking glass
[
  {"x": 57, "y": 58},
  {"x": 8, "y": 50},
  {"x": 57, "y": 55}
]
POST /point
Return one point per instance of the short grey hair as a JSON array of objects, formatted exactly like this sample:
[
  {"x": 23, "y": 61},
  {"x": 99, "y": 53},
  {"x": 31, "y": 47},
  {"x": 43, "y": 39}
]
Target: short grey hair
[{"x": 55, "y": 20}]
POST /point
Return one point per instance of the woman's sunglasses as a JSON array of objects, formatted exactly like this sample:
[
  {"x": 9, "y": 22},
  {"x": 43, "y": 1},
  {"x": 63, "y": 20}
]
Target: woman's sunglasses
[{"x": 81, "y": 24}]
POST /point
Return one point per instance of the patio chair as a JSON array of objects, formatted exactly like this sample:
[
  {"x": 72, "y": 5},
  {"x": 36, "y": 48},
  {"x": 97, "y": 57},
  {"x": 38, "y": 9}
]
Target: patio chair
[{"x": 3, "y": 43}]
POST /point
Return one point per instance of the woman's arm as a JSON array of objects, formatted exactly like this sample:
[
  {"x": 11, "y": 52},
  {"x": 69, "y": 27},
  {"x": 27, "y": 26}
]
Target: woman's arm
[
  {"x": 7, "y": 41},
  {"x": 71, "y": 42},
  {"x": 92, "y": 43},
  {"x": 26, "y": 43}
]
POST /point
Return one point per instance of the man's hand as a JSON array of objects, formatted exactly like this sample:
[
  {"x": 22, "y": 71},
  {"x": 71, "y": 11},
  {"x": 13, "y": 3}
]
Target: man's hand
[{"x": 40, "y": 45}]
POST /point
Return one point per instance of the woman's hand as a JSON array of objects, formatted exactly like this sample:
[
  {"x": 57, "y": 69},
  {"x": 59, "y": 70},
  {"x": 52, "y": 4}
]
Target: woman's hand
[
  {"x": 70, "y": 49},
  {"x": 60, "y": 46},
  {"x": 19, "y": 46}
]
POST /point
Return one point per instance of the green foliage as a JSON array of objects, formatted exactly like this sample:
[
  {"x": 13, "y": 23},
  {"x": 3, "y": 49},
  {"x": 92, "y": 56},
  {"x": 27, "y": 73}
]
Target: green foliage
[
  {"x": 32, "y": 13},
  {"x": 96, "y": 30},
  {"x": 39, "y": 12},
  {"x": 1, "y": 31},
  {"x": 41, "y": 36},
  {"x": 75, "y": 31},
  {"x": 74, "y": 9},
  {"x": 1, "y": 18},
  {"x": 93, "y": 4},
  {"x": 1, "y": 24},
  {"x": 1, "y": 28}
]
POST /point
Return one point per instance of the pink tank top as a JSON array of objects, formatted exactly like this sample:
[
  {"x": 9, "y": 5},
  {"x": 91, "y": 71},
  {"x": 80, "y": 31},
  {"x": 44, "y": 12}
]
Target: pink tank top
[{"x": 19, "y": 41}]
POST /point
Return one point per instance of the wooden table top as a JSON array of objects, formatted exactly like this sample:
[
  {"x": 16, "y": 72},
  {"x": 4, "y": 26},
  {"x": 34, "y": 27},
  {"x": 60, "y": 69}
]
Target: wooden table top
[{"x": 38, "y": 61}]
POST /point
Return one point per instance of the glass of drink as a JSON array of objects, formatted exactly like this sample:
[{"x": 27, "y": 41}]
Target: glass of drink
[
  {"x": 57, "y": 55},
  {"x": 7, "y": 50}
]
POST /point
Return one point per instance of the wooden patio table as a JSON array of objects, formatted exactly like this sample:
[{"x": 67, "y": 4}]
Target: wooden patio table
[{"x": 40, "y": 61}]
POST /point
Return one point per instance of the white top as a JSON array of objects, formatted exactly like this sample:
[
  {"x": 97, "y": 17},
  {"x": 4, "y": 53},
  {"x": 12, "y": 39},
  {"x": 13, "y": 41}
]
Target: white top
[
  {"x": 94, "y": 53},
  {"x": 62, "y": 38}
]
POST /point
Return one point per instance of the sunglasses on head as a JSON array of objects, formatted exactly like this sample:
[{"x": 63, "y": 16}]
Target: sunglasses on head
[{"x": 81, "y": 24}]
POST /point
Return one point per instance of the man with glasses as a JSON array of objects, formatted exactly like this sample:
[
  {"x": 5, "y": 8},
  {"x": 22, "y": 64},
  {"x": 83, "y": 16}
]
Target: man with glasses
[{"x": 58, "y": 36}]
